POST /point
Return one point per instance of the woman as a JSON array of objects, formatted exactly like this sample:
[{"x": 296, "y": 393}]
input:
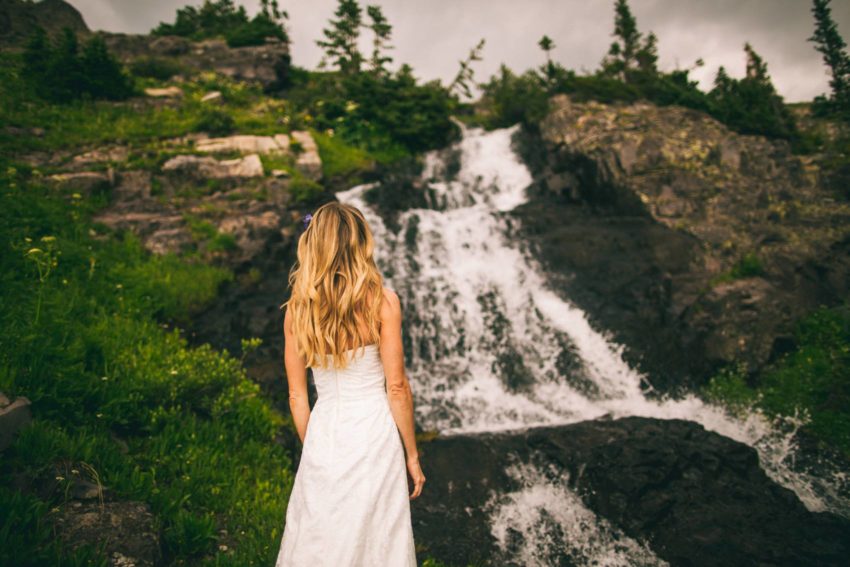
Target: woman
[{"x": 349, "y": 504}]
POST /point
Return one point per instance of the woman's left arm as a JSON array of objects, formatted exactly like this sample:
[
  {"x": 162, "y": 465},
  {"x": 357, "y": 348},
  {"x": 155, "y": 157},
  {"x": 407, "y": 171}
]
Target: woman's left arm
[{"x": 296, "y": 376}]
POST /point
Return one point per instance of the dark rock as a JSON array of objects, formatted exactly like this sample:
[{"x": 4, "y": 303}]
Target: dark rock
[
  {"x": 124, "y": 530},
  {"x": 695, "y": 497},
  {"x": 19, "y": 19},
  {"x": 640, "y": 213}
]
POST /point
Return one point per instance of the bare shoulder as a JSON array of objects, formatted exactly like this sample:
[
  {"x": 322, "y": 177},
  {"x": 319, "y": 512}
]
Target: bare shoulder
[{"x": 391, "y": 303}]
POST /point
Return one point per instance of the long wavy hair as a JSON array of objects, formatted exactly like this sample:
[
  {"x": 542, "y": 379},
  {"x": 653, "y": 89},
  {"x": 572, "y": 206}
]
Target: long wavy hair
[{"x": 336, "y": 288}]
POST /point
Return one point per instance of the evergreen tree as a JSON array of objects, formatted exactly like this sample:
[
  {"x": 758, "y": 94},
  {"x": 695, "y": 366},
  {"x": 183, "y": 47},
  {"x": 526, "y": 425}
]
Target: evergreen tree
[
  {"x": 466, "y": 74},
  {"x": 547, "y": 45},
  {"x": 830, "y": 43},
  {"x": 630, "y": 51},
  {"x": 103, "y": 74},
  {"x": 340, "y": 44},
  {"x": 381, "y": 32},
  {"x": 751, "y": 105}
]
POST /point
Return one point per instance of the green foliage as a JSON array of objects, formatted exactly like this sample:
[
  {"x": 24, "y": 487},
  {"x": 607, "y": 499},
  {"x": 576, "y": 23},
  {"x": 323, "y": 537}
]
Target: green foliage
[
  {"x": 159, "y": 68},
  {"x": 340, "y": 159},
  {"x": 221, "y": 18},
  {"x": 384, "y": 114},
  {"x": 810, "y": 379},
  {"x": 340, "y": 42},
  {"x": 122, "y": 399},
  {"x": 749, "y": 265},
  {"x": 215, "y": 122},
  {"x": 631, "y": 51},
  {"x": 751, "y": 105},
  {"x": 512, "y": 98},
  {"x": 61, "y": 73},
  {"x": 834, "y": 50}
]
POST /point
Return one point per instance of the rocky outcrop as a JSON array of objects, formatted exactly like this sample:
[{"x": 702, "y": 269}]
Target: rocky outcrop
[
  {"x": 211, "y": 168},
  {"x": 694, "y": 497},
  {"x": 279, "y": 143},
  {"x": 19, "y": 19},
  {"x": 266, "y": 64},
  {"x": 308, "y": 160},
  {"x": 697, "y": 246}
]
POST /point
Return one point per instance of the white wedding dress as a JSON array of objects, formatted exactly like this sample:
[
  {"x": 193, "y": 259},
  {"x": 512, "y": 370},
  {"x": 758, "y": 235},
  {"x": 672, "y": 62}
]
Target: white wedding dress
[{"x": 349, "y": 505}]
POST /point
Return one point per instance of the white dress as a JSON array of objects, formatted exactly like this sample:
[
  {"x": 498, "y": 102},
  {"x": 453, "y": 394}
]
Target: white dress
[{"x": 349, "y": 505}]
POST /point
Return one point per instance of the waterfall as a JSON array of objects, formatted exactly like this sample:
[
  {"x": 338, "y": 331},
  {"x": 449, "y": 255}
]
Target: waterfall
[{"x": 489, "y": 346}]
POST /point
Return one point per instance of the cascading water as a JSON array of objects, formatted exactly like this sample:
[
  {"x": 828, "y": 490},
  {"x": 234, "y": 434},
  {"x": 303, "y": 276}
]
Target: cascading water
[{"x": 491, "y": 347}]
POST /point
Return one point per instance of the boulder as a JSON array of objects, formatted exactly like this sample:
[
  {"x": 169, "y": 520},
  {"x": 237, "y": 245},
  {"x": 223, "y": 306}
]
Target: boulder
[
  {"x": 14, "y": 415},
  {"x": 639, "y": 212},
  {"x": 206, "y": 167},
  {"x": 165, "y": 92},
  {"x": 279, "y": 143},
  {"x": 308, "y": 161},
  {"x": 86, "y": 183},
  {"x": 101, "y": 155},
  {"x": 690, "y": 496},
  {"x": 214, "y": 97}
]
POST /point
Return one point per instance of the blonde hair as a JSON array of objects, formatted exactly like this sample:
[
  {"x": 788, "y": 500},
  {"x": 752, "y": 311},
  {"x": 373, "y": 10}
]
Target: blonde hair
[{"x": 336, "y": 287}]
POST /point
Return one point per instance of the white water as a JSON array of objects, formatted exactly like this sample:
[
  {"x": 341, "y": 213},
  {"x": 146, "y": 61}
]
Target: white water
[{"x": 493, "y": 348}]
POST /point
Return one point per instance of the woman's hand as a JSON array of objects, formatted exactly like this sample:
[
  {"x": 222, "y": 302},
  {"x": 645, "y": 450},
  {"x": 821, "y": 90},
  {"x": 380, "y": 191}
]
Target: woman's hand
[{"x": 415, "y": 472}]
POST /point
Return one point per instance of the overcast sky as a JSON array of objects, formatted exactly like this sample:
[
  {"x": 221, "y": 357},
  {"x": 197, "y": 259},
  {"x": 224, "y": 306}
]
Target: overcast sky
[{"x": 432, "y": 35}]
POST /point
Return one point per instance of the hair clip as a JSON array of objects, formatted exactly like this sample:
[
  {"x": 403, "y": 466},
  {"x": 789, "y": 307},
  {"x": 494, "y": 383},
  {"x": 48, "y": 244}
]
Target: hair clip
[{"x": 307, "y": 218}]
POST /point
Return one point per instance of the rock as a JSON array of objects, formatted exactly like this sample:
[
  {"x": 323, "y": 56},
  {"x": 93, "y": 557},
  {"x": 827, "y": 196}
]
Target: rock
[
  {"x": 125, "y": 530},
  {"x": 210, "y": 168},
  {"x": 167, "y": 92},
  {"x": 266, "y": 64},
  {"x": 160, "y": 227},
  {"x": 308, "y": 160},
  {"x": 638, "y": 211},
  {"x": 86, "y": 183},
  {"x": 13, "y": 417},
  {"x": 280, "y": 173},
  {"x": 214, "y": 97},
  {"x": 252, "y": 231},
  {"x": 279, "y": 143},
  {"x": 132, "y": 185},
  {"x": 101, "y": 155},
  {"x": 695, "y": 497}
]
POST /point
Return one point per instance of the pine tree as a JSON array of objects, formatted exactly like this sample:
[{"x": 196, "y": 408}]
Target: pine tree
[
  {"x": 547, "y": 45},
  {"x": 340, "y": 44},
  {"x": 381, "y": 32},
  {"x": 630, "y": 51},
  {"x": 830, "y": 43},
  {"x": 466, "y": 74}
]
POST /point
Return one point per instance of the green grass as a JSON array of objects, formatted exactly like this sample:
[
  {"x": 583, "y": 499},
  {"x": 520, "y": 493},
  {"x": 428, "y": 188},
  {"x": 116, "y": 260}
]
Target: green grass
[
  {"x": 120, "y": 400},
  {"x": 749, "y": 265},
  {"x": 810, "y": 379}
]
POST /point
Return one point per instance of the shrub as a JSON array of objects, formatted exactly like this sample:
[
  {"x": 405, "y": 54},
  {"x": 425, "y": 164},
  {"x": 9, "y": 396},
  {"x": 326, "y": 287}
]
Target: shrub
[
  {"x": 61, "y": 73},
  {"x": 158, "y": 68},
  {"x": 215, "y": 122},
  {"x": 221, "y": 18}
]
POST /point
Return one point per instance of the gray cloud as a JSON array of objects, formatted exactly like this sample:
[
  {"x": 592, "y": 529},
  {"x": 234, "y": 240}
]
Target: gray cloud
[{"x": 432, "y": 35}]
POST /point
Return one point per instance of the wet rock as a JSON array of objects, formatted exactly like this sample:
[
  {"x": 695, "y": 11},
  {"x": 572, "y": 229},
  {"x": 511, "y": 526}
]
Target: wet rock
[
  {"x": 308, "y": 160},
  {"x": 14, "y": 416},
  {"x": 209, "y": 168},
  {"x": 695, "y": 497},
  {"x": 279, "y": 143},
  {"x": 638, "y": 212},
  {"x": 125, "y": 530}
]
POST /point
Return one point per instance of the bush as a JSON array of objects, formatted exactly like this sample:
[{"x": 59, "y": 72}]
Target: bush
[
  {"x": 215, "y": 122},
  {"x": 158, "y": 68},
  {"x": 221, "y": 18},
  {"x": 60, "y": 73},
  {"x": 812, "y": 379}
]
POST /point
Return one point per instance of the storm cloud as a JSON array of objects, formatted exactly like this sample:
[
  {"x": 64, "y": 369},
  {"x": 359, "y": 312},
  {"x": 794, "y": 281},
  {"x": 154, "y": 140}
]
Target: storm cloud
[{"x": 432, "y": 35}]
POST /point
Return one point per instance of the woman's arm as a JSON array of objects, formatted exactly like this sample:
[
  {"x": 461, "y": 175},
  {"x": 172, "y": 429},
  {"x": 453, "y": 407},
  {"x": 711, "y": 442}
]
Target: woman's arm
[
  {"x": 398, "y": 387},
  {"x": 296, "y": 376}
]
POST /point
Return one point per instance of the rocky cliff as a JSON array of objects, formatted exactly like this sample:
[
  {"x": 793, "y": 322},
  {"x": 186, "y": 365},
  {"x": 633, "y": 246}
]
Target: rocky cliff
[
  {"x": 19, "y": 19},
  {"x": 696, "y": 245}
]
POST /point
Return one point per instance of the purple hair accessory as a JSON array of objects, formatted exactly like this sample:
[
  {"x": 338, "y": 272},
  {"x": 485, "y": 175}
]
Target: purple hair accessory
[{"x": 307, "y": 218}]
